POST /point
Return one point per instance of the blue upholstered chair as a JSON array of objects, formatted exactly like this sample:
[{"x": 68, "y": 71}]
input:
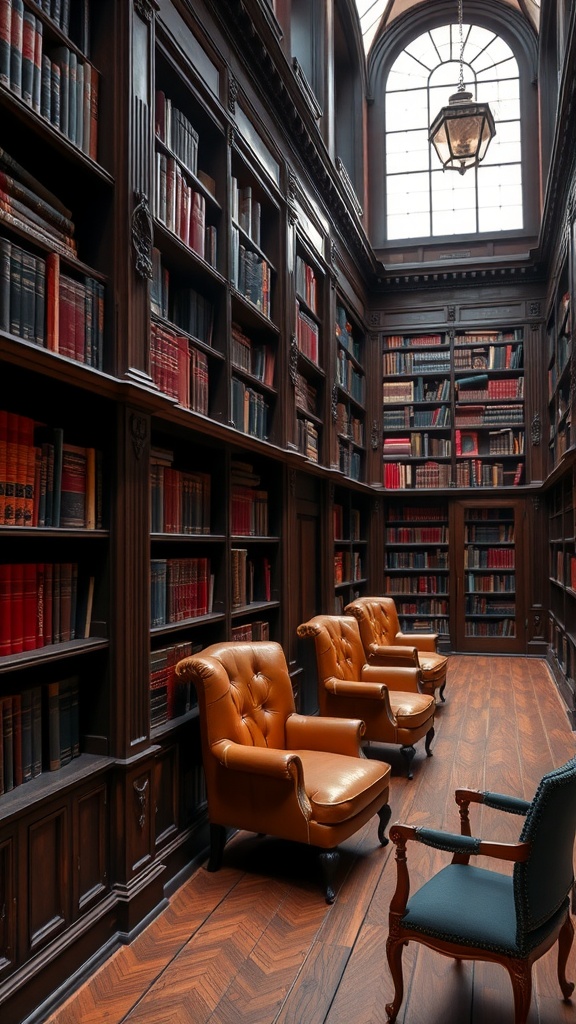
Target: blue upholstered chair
[{"x": 470, "y": 913}]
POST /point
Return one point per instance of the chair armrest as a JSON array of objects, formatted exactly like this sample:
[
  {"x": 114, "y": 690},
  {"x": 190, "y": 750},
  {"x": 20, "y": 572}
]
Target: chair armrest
[
  {"x": 392, "y": 655},
  {"x": 357, "y": 689},
  {"x": 280, "y": 764},
  {"x": 425, "y": 642},
  {"x": 334, "y": 735},
  {"x": 452, "y": 842},
  {"x": 498, "y": 801},
  {"x": 405, "y": 678}
]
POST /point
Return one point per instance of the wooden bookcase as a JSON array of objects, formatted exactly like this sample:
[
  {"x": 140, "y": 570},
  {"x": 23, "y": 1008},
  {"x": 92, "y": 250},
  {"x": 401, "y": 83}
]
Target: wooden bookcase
[
  {"x": 454, "y": 411},
  {"x": 350, "y": 525},
  {"x": 562, "y": 582},
  {"x": 560, "y": 359},
  {"x": 417, "y": 565},
  {"x": 350, "y": 394},
  {"x": 309, "y": 350}
]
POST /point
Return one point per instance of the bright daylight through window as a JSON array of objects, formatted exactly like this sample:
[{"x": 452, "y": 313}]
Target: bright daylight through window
[{"x": 423, "y": 200}]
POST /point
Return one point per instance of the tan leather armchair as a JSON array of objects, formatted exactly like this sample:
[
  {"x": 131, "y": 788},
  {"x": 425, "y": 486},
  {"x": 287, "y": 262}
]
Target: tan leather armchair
[
  {"x": 388, "y": 700},
  {"x": 271, "y": 771},
  {"x": 385, "y": 644}
]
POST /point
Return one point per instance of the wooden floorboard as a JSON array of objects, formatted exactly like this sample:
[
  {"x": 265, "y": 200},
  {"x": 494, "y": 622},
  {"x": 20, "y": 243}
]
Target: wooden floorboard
[{"x": 255, "y": 942}]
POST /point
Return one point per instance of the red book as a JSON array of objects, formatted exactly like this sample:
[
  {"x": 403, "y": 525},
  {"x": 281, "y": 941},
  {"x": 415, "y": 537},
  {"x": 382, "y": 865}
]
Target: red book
[
  {"x": 29, "y": 607},
  {"x": 52, "y": 301},
  {"x": 5, "y": 610},
  {"x": 5, "y": 31},
  {"x": 67, "y": 317},
  {"x": 17, "y": 608},
  {"x": 16, "y": 34},
  {"x": 79, "y": 322},
  {"x": 48, "y": 603},
  {"x": 73, "y": 487},
  {"x": 28, "y": 34},
  {"x": 25, "y": 472}
]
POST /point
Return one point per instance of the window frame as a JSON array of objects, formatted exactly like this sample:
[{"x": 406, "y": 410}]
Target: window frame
[{"x": 521, "y": 38}]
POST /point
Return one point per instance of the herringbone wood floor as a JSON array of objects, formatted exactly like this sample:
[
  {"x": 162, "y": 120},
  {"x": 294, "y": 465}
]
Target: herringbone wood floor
[{"x": 255, "y": 942}]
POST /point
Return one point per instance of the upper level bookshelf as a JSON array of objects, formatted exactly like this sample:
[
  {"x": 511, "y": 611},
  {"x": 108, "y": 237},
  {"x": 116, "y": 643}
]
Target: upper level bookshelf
[
  {"x": 559, "y": 334},
  {"x": 453, "y": 409},
  {"x": 309, "y": 354},
  {"x": 350, "y": 394}
]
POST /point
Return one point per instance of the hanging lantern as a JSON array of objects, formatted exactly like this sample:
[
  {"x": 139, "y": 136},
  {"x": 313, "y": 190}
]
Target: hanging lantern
[{"x": 462, "y": 131}]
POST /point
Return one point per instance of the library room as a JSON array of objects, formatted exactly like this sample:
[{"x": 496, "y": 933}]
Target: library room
[{"x": 287, "y": 511}]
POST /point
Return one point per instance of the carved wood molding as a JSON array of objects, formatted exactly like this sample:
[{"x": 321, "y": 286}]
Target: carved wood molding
[
  {"x": 146, "y": 9},
  {"x": 141, "y": 801},
  {"x": 142, "y": 235},
  {"x": 375, "y": 436},
  {"x": 138, "y": 433},
  {"x": 536, "y": 430},
  {"x": 293, "y": 360}
]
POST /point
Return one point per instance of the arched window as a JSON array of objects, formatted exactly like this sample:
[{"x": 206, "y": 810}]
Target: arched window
[
  {"x": 414, "y": 69},
  {"x": 422, "y": 199}
]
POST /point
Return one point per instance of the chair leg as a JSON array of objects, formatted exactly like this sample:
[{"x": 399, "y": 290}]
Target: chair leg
[
  {"x": 384, "y": 814},
  {"x": 521, "y": 977},
  {"x": 329, "y": 860},
  {"x": 217, "y": 843},
  {"x": 441, "y": 692},
  {"x": 408, "y": 754},
  {"x": 394, "y": 950},
  {"x": 564, "y": 946},
  {"x": 429, "y": 738}
]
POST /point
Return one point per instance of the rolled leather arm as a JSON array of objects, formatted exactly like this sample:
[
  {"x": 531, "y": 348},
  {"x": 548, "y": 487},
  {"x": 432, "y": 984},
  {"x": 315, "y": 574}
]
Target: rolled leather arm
[
  {"x": 404, "y": 678},
  {"x": 333, "y": 735},
  {"x": 365, "y": 689},
  {"x": 259, "y": 760},
  {"x": 423, "y": 641},
  {"x": 392, "y": 655}
]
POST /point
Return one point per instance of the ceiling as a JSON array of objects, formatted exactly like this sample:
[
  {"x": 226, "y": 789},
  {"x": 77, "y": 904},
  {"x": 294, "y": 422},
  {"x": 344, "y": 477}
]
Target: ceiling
[{"x": 374, "y": 13}]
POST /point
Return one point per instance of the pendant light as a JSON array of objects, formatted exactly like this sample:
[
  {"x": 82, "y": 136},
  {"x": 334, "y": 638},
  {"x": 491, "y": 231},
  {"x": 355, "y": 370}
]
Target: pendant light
[{"x": 462, "y": 131}]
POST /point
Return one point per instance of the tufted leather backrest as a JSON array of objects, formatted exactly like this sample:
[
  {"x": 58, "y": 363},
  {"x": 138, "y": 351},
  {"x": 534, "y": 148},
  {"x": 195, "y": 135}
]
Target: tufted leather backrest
[
  {"x": 245, "y": 693},
  {"x": 542, "y": 884},
  {"x": 339, "y": 650},
  {"x": 377, "y": 619}
]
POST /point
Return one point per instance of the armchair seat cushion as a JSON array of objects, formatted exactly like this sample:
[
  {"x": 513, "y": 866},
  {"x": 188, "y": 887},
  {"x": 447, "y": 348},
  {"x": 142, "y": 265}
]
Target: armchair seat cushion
[
  {"x": 474, "y": 907},
  {"x": 411, "y": 709},
  {"x": 340, "y": 787}
]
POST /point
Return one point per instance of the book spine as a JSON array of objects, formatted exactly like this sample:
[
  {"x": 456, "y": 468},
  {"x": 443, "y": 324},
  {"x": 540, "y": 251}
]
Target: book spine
[
  {"x": 5, "y": 35},
  {"x": 16, "y": 39}
]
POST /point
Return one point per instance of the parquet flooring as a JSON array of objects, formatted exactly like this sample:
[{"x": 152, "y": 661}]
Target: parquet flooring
[{"x": 255, "y": 942}]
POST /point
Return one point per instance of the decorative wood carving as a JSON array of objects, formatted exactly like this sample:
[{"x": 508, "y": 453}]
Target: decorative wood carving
[
  {"x": 374, "y": 318},
  {"x": 293, "y": 360},
  {"x": 231, "y": 135},
  {"x": 375, "y": 436},
  {"x": 138, "y": 433},
  {"x": 146, "y": 9},
  {"x": 232, "y": 93},
  {"x": 141, "y": 801},
  {"x": 452, "y": 313},
  {"x": 535, "y": 309},
  {"x": 142, "y": 235},
  {"x": 334, "y": 402},
  {"x": 536, "y": 430}
]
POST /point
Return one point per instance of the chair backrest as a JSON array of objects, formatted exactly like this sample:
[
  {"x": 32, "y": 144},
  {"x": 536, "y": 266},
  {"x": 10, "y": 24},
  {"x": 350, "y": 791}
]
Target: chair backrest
[
  {"x": 542, "y": 884},
  {"x": 377, "y": 619},
  {"x": 339, "y": 650},
  {"x": 244, "y": 693}
]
